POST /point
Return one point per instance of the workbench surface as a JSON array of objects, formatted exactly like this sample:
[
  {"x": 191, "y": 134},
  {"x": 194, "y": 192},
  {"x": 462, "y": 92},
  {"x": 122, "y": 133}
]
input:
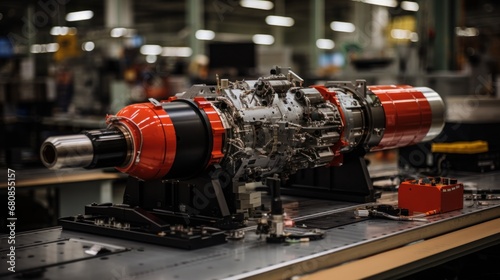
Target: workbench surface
[{"x": 57, "y": 253}]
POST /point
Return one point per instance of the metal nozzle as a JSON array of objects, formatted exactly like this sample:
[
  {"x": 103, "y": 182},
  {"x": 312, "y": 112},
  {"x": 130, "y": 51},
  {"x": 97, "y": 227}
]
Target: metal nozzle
[
  {"x": 91, "y": 149},
  {"x": 67, "y": 151}
]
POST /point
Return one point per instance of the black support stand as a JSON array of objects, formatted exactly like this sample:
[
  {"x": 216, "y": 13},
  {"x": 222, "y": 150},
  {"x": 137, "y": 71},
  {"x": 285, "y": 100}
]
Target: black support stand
[
  {"x": 349, "y": 182},
  {"x": 189, "y": 214}
]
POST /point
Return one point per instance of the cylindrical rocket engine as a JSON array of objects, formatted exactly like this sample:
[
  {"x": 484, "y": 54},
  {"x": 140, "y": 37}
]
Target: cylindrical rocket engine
[{"x": 253, "y": 129}]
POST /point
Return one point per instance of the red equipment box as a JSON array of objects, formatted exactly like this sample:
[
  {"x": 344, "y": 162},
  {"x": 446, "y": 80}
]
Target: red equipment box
[{"x": 431, "y": 194}]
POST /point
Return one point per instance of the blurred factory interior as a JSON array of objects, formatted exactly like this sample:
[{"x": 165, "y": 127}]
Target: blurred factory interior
[{"x": 66, "y": 64}]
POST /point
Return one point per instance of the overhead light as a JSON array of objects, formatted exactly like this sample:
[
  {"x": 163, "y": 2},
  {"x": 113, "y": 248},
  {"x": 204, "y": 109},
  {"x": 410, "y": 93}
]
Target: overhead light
[
  {"x": 151, "y": 58},
  {"x": 122, "y": 32},
  {"x": 325, "y": 44},
  {"x": 257, "y": 4},
  {"x": 410, "y": 6},
  {"x": 177, "y": 51},
  {"x": 36, "y": 48},
  {"x": 263, "y": 39},
  {"x": 280, "y": 21},
  {"x": 466, "y": 31},
  {"x": 88, "y": 46},
  {"x": 400, "y": 34},
  {"x": 151, "y": 50},
  {"x": 414, "y": 37},
  {"x": 342, "y": 26},
  {"x": 385, "y": 3},
  {"x": 62, "y": 30},
  {"x": 81, "y": 15},
  {"x": 56, "y": 30},
  {"x": 204, "y": 34},
  {"x": 403, "y": 34},
  {"x": 44, "y": 48},
  {"x": 118, "y": 32},
  {"x": 52, "y": 47}
]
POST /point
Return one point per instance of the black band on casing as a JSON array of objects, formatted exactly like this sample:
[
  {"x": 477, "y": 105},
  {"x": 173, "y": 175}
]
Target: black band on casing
[
  {"x": 110, "y": 147},
  {"x": 194, "y": 138}
]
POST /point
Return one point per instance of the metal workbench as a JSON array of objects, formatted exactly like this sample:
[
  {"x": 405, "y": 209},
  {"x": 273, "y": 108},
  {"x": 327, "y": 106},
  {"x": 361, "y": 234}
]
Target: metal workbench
[{"x": 56, "y": 253}]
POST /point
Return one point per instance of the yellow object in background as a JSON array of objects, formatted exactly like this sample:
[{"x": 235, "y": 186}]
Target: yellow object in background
[
  {"x": 68, "y": 47},
  {"x": 462, "y": 147}
]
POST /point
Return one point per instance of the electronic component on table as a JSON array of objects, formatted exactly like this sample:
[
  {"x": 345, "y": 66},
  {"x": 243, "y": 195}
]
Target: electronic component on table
[{"x": 431, "y": 194}]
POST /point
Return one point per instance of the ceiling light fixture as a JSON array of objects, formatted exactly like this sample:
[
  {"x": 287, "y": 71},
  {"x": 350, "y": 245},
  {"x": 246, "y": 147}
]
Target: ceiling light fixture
[
  {"x": 81, "y": 15},
  {"x": 325, "y": 44},
  {"x": 342, "y": 26},
  {"x": 280, "y": 21},
  {"x": 52, "y": 47},
  {"x": 385, "y": 3},
  {"x": 63, "y": 30},
  {"x": 403, "y": 34},
  {"x": 36, "y": 48},
  {"x": 151, "y": 58},
  {"x": 88, "y": 46},
  {"x": 44, "y": 48},
  {"x": 122, "y": 32},
  {"x": 400, "y": 33},
  {"x": 257, "y": 4},
  {"x": 151, "y": 49},
  {"x": 204, "y": 35},
  {"x": 263, "y": 39},
  {"x": 466, "y": 31},
  {"x": 410, "y": 6},
  {"x": 118, "y": 32},
  {"x": 59, "y": 30}
]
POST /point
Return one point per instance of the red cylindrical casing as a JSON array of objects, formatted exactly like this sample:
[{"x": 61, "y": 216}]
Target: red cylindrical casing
[
  {"x": 154, "y": 134},
  {"x": 412, "y": 115},
  {"x": 217, "y": 128},
  {"x": 154, "y": 140}
]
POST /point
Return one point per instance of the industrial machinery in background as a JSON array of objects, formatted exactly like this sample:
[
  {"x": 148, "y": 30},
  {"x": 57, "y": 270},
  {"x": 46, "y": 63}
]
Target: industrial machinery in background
[
  {"x": 200, "y": 161},
  {"x": 469, "y": 141}
]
